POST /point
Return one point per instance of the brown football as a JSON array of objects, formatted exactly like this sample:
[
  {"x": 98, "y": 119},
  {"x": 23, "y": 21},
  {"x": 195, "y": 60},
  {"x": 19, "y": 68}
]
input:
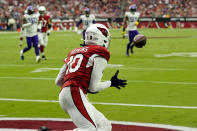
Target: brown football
[{"x": 139, "y": 40}]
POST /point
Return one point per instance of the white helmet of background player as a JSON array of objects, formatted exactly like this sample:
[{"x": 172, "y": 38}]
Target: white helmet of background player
[
  {"x": 42, "y": 10},
  {"x": 97, "y": 34}
]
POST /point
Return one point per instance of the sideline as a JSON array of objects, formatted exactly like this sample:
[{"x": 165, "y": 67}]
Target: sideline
[
  {"x": 134, "y": 81},
  {"x": 115, "y": 66},
  {"x": 181, "y": 128},
  {"x": 103, "y": 103}
]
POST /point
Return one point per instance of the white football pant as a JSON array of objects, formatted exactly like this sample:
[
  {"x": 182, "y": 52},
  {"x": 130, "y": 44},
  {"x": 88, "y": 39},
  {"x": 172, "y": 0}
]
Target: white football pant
[
  {"x": 43, "y": 38},
  {"x": 83, "y": 114}
]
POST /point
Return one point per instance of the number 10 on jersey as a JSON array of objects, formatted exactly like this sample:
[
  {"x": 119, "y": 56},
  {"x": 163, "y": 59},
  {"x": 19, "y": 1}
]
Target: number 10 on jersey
[{"x": 74, "y": 63}]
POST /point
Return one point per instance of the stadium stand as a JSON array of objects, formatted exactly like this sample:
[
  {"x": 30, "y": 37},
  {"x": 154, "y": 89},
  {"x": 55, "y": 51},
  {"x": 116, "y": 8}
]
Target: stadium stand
[
  {"x": 170, "y": 8},
  {"x": 71, "y": 9}
]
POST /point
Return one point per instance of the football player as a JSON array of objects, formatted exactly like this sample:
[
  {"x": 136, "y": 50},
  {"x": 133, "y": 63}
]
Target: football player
[
  {"x": 81, "y": 74},
  {"x": 23, "y": 32},
  {"x": 86, "y": 20},
  {"x": 131, "y": 20},
  {"x": 30, "y": 24},
  {"x": 44, "y": 29}
]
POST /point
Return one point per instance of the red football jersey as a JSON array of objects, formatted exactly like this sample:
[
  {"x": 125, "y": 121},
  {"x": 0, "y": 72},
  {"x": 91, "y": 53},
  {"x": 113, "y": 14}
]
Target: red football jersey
[
  {"x": 79, "y": 66},
  {"x": 44, "y": 20}
]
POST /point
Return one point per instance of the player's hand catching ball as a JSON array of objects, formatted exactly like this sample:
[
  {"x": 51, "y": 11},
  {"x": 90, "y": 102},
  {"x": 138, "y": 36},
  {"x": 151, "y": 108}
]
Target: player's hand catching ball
[{"x": 115, "y": 82}]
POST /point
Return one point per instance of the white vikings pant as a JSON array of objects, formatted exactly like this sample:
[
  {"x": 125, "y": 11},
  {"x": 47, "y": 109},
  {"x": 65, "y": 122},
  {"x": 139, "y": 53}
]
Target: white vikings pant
[
  {"x": 84, "y": 115},
  {"x": 43, "y": 38}
]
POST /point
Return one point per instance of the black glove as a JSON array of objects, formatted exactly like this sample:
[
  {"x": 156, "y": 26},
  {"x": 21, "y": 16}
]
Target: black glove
[
  {"x": 83, "y": 44},
  {"x": 115, "y": 82}
]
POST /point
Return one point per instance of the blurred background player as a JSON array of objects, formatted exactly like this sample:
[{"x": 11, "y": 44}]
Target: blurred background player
[
  {"x": 87, "y": 20},
  {"x": 82, "y": 74},
  {"x": 43, "y": 29},
  {"x": 30, "y": 24},
  {"x": 131, "y": 20},
  {"x": 23, "y": 32}
]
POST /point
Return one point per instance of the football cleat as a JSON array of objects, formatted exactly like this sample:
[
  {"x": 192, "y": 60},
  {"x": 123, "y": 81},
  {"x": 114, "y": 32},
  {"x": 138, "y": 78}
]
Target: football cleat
[
  {"x": 127, "y": 54},
  {"x": 44, "y": 57},
  {"x": 38, "y": 59},
  {"x": 21, "y": 55}
]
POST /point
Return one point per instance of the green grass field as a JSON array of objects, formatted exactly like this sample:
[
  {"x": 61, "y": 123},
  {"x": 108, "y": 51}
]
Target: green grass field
[{"x": 169, "y": 81}]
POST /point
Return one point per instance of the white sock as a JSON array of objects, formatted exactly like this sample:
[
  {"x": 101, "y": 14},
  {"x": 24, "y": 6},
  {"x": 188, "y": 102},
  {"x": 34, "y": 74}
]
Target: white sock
[{"x": 21, "y": 52}]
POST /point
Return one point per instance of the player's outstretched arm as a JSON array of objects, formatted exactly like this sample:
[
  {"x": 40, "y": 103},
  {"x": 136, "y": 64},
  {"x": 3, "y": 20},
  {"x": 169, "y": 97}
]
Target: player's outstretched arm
[
  {"x": 77, "y": 25},
  {"x": 60, "y": 76},
  {"x": 116, "y": 82},
  {"x": 25, "y": 23},
  {"x": 96, "y": 85}
]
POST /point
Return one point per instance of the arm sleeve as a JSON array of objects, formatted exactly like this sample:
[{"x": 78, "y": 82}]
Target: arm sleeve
[
  {"x": 96, "y": 85},
  {"x": 79, "y": 23},
  {"x": 60, "y": 76},
  {"x": 26, "y": 25}
]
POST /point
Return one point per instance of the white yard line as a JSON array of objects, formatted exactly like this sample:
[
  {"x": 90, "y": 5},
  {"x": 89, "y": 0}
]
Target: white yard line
[
  {"x": 143, "y": 105},
  {"x": 158, "y": 69},
  {"x": 8, "y": 32},
  {"x": 27, "y": 100},
  {"x": 164, "y": 82},
  {"x": 181, "y": 128},
  {"x": 103, "y": 103},
  {"x": 111, "y": 66},
  {"x": 134, "y": 81},
  {"x": 27, "y": 78},
  {"x": 10, "y": 65},
  {"x": 44, "y": 70}
]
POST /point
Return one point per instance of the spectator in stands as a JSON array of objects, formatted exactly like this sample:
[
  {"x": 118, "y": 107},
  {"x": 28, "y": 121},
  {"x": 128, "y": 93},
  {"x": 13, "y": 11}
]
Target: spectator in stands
[
  {"x": 61, "y": 9},
  {"x": 11, "y": 24}
]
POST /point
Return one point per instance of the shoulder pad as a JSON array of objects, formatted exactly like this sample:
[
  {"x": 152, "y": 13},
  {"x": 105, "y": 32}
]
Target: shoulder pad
[{"x": 102, "y": 51}]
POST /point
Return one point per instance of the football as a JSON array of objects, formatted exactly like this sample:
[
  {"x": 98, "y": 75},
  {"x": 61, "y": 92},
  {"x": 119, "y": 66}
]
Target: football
[{"x": 140, "y": 40}]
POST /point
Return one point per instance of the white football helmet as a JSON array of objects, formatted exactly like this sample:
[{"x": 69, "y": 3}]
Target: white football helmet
[
  {"x": 97, "y": 34},
  {"x": 42, "y": 10}
]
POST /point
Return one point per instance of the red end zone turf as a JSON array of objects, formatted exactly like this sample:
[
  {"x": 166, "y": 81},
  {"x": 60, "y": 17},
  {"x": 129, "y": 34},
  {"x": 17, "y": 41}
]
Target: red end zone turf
[{"x": 68, "y": 125}]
